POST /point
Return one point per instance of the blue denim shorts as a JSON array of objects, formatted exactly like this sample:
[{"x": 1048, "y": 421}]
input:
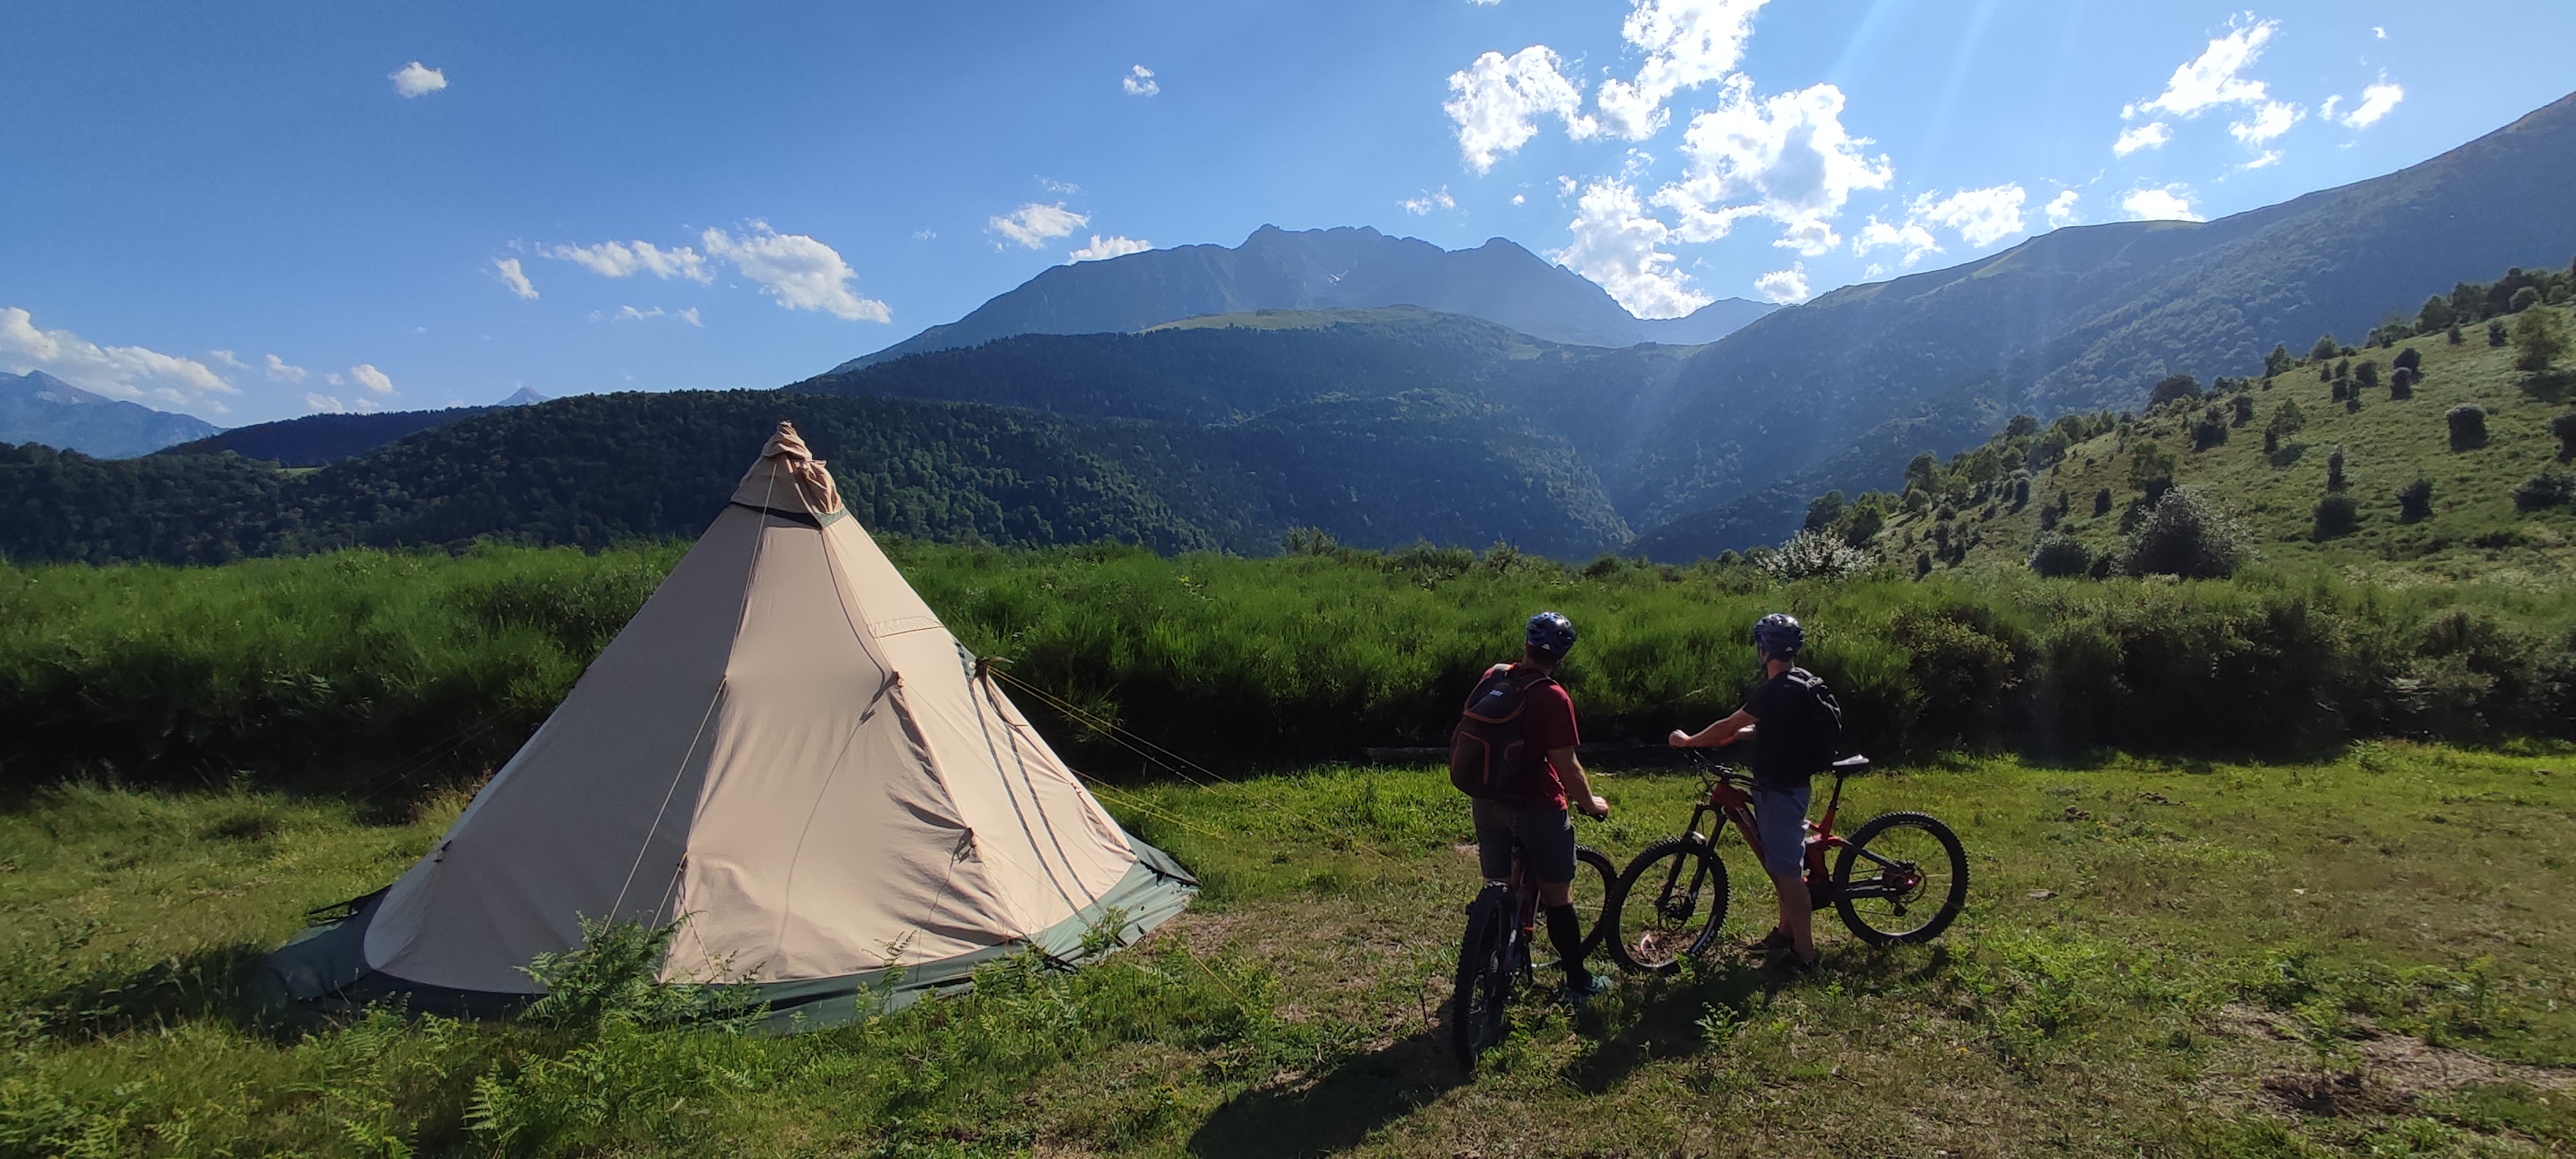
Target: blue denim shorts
[{"x": 1780, "y": 819}]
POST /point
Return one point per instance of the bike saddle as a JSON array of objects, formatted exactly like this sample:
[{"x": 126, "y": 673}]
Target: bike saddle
[{"x": 1851, "y": 766}]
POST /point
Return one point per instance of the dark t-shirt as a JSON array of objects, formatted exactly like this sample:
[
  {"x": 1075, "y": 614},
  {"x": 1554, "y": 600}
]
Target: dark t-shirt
[
  {"x": 1547, "y": 724},
  {"x": 1781, "y": 710}
]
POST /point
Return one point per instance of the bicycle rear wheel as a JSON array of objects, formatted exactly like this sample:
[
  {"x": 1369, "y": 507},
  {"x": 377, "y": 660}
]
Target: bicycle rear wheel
[
  {"x": 1902, "y": 879},
  {"x": 1668, "y": 905},
  {"x": 1596, "y": 881},
  {"x": 1484, "y": 983}
]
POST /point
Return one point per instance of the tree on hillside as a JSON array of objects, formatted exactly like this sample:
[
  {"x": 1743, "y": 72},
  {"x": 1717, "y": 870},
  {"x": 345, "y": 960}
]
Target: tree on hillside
[
  {"x": 2059, "y": 556},
  {"x": 2538, "y": 340},
  {"x": 2401, "y": 384},
  {"x": 2244, "y": 410},
  {"x": 2367, "y": 373},
  {"x": 2343, "y": 370},
  {"x": 2171, "y": 387},
  {"x": 2436, "y": 315},
  {"x": 2151, "y": 469},
  {"x": 2415, "y": 500},
  {"x": 2335, "y": 517},
  {"x": 1809, "y": 555},
  {"x": 2278, "y": 362},
  {"x": 2021, "y": 427},
  {"x": 2334, "y": 470},
  {"x": 2550, "y": 488},
  {"x": 2211, "y": 430},
  {"x": 2564, "y": 426},
  {"x": 2186, "y": 535},
  {"x": 2325, "y": 348},
  {"x": 2408, "y": 359},
  {"x": 1823, "y": 510},
  {"x": 2101, "y": 502},
  {"x": 2468, "y": 427},
  {"x": 2495, "y": 334},
  {"x": 2523, "y": 299},
  {"x": 2454, "y": 336}
]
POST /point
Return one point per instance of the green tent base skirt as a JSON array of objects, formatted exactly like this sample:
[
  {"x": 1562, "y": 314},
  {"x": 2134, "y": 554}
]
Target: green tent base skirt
[{"x": 323, "y": 971}]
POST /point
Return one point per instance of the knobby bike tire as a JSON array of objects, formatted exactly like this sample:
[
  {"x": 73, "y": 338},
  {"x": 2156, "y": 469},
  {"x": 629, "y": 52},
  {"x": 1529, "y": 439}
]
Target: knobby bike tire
[
  {"x": 1943, "y": 890},
  {"x": 1668, "y": 905},
  {"x": 1596, "y": 883},
  {"x": 1483, "y": 983}
]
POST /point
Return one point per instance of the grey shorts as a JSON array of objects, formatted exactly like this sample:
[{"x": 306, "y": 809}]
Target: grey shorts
[
  {"x": 1546, "y": 837},
  {"x": 1780, "y": 819}
]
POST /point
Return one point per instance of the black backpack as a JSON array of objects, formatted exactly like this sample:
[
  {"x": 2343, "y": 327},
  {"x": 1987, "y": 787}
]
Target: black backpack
[
  {"x": 1488, "y": 756},
  {"x": 1820, "y": 735}
]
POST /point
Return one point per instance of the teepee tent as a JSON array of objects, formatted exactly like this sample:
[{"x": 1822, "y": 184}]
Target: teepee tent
[{"x": 787, "y": 753}]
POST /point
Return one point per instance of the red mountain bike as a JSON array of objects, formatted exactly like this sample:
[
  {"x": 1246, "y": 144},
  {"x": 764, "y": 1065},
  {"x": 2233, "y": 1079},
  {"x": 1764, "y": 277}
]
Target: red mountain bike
[
  {"x": 1899, "y": 878},
  {"x": 1495, "y": 954}
]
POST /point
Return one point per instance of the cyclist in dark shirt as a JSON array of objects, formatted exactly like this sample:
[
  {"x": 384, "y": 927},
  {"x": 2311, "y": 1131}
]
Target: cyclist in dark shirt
[
  {"x": 1535, "y": 815},
  {"x": 1780, "y": 789}
]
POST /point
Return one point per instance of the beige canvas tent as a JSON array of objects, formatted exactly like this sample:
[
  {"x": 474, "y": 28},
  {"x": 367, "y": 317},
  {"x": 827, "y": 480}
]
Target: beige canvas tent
[{"x": 786, "y": 752}]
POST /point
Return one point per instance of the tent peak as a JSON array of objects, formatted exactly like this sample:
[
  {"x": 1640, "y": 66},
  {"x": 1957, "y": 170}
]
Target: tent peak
[{"x": 788, "y": 476}]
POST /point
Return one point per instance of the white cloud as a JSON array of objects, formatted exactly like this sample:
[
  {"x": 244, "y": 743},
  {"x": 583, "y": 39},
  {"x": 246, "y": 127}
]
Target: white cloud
[
  {"x": 1618, "y": 245},
  {"x": 2061, "y": 209},
  {"x": 1418, "y": 206},
  {"x": 631, "y": 314},
  {"x": 1034, "y": 225},
  {"x": 1520, "y": 199},
  {"x": 1688, "y": 43},
  {"x": 611, "y": 259},
  {"x": 2272, "y": 120},
  {"x": 1109, "y": 247},
  {"x": 333, "y": 378},
  {"x": 366, "y": 375},
  {"x": 129, "y": 372},
  {"x": 514, "y": 277},
  {"x": 1497, "y": 102},
  {"x": 1908, "y": 235},
  {"x": 1981, "y": 217},
  {"x": 2151, "y": 135},
  {"x": 2170, "y": 203},
  {"x": 225, "y": 358},
  {"x": 2264, "y": 160},
  {"x": 2216, "y": 77},
  {"x": 279, "y": 371},
  {"x": 325, "y": 404},
  {"x": 1786, "y": 158},
  {"x": 2376, "y": 101},
  {"x": 690, "y": 316},
  {"x": 417, "y": 80},
  {"x": 802, "y": 273},
  {"x": 2378, "y": 32},
  {"x": 1784, "y": 286},
  {"x": 1140, "y": 82}
]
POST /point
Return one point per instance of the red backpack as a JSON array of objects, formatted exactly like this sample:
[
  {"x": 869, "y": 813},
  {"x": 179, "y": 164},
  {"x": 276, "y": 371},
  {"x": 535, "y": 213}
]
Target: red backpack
[{"x": 1488, "y": 756}]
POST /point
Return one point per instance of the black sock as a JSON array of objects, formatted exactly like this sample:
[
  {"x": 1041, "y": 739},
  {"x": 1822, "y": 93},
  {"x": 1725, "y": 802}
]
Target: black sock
[{"x": 1566, "y": 931}]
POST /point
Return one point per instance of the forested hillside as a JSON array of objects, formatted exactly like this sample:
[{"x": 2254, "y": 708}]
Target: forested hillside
[
  {"x": 323, "y": 439},
  {"x": 2440, "y": 451},
  {"x": 1841, "y": 391}
]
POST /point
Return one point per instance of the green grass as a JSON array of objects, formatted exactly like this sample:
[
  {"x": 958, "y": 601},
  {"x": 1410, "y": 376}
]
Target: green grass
[
  {"x": 2157, "y": 958},
  {"x": 2473, "y": 532}
]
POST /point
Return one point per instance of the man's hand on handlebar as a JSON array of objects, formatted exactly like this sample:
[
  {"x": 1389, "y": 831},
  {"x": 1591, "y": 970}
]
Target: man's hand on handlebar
[{"x": 1597, "y": 808}]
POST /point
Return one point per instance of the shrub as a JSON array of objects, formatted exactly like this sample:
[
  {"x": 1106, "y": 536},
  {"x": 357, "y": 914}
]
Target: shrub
[
  {"x": 2415, "y": 500},
  {"x": 2340, "y": 391},
  {"x": 2335, "y": 516},
  {"x": 2172, "y": 387},
  {"x": 2334, "y": 470},
  {"x": 2367, "y": 373},
  {"x": 2538, "y": 340},
  {"x": 2325, "y": 348},
  {"x": 2278, "y": 361},
  {"x": 2210, "y": 431},
  {"x": 2271, "y": 442},
  {"x": 1822, "y": 512},
  {"x": 2287, "y": 418},
  {"x": 2151, "y": 469},
  {"x": 2101, "y": 502},
  {"x": 2495, "y": 334},
  {"x": 2453, "y": 336},
  {"x": 2435, "y": 315},
  {"x": 2343, "y": 370},
  {"x": 2468, "y": 427},
  {"x": 2242, "y": 410},
  {"x": 2401, "y": 384},
  {"x": 2186, "y": 535},
  {"x": 1814, "y": 555},
  {"x": 2057, "y": 556},
  {"x": 2408, "y": 359},
  {"x": 2564, "y": 426},
  {"x": 2523, "y": 299},
  {"x": 2550, "y": 488}
]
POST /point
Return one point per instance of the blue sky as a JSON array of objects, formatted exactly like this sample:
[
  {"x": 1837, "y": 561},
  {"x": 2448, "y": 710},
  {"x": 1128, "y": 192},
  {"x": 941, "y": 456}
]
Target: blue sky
[{"x": 252, "y": 212}]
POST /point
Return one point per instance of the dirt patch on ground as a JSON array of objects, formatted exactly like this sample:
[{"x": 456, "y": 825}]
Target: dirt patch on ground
[{"x": 2394, "y": 1071}]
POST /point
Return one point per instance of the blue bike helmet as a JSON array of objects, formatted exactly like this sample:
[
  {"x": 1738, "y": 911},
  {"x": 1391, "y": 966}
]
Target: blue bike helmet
[
  {"x": 1551, "y": 633},
  {"x": 1779, "y": 635}
]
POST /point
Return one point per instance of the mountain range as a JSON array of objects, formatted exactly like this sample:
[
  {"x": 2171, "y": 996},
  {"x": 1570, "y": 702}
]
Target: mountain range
[
  {"x": 1319, "y": 269},
  {"x": 37, "y": 407},
  {"x": 324, "y": 439}
]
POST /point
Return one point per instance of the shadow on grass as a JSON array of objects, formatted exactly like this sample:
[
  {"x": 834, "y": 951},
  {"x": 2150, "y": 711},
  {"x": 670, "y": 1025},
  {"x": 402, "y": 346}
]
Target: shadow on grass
[
  {"x": 117, "y": 998},
  {"x": 1667, "y": 1023},
  {"x": 1336, "y": 1112}
]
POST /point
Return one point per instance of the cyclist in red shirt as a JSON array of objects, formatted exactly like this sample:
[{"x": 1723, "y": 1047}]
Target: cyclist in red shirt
[{"x": 1535, "y": 814}]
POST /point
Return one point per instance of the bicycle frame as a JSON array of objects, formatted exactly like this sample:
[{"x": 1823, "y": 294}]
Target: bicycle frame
[{"x": 1730, "y": 796}]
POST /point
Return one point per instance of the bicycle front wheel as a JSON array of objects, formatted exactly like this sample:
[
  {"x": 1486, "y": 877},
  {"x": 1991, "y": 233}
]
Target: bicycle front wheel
[
  {"x": 1668, "y": 905},
  {"x": 1902, "y": 879},
  {"x": 1596, "y": 881},
  {"x": 1476, "y": 1008}
]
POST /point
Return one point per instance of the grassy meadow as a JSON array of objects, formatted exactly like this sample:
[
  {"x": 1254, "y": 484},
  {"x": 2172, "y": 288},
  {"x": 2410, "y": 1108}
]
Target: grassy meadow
[{"x": 2366, "y": 955}]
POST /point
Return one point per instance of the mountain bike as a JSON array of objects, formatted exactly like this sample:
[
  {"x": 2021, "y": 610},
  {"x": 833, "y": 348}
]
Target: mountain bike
[
  {"x": 1494, "y": 956},
  {"x": 1899, "y": 878}
]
